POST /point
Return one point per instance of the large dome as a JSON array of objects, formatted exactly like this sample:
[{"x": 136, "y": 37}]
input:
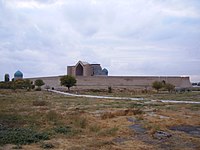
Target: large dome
[{"x": 18, "y": 74}]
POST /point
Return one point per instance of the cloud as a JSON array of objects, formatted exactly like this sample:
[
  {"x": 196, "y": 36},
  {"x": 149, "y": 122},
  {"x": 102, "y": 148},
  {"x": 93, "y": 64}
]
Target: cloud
[{"x": 140, "y": 37}]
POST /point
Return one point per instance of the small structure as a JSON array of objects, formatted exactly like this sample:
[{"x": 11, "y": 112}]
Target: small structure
[
  {"x": 85, "y": 69},
  {"x": 18, "y": 75}
]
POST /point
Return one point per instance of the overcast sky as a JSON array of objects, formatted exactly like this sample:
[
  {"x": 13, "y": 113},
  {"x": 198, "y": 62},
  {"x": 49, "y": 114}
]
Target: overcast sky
[{"x": 128, "y": 37}]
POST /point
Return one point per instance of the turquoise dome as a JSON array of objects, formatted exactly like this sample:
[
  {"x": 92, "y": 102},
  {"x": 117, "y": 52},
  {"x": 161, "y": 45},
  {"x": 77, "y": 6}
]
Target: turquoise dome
[
  {"x": 18, "y": 74},
  {"x": 105, "y": 71}
]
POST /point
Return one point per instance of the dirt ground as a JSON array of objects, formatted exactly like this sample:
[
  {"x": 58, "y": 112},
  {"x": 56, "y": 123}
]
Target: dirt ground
[{"x": 88, "y": 124}]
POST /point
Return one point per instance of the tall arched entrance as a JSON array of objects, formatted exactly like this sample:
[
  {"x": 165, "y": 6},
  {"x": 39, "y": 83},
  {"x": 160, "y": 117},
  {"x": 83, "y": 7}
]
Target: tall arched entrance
[{"x": 79, "y": 70}]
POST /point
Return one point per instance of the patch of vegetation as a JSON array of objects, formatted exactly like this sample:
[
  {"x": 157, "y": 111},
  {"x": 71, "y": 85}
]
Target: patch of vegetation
[
  {"x": 136, "y": 105},
  {"x": 95, "y": 128},
  {"x": 20, "y": 136},
  {"x": 53, "y": 116},
  {"x": 194, "y": 107},
  {"x": 39, "y": 103},
  {"x": 109, "y": 132},
  {"x": 47, "y": 146},
  {"x": 63, "y": 129},
  {"x": 66, "y": 130},
  {"x": 80, "y": 122},
  {"x": 109, "y": 89},
  {"x": 12, "y": 120},
  {"x": 39, "y": 83}
]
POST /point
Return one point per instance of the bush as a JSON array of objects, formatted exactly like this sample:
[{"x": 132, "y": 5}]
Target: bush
[
  {"x": 169, "y": 87},
  {"x": 66, "y": 130},
  {"x": 39, "y": 83},
  {"x": 63, "y": 129},
  {"x": 38, "y": 89},
  {"x": 47, "y": 146},
  {"x": 157, "y": 85},
  {"x": 109, "y": 89},
  {"x": 20, "y": 136}
]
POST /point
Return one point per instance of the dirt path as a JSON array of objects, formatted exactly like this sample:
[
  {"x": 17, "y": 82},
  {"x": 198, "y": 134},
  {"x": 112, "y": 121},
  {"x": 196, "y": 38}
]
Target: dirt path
[{"x": 124, "y": 98}]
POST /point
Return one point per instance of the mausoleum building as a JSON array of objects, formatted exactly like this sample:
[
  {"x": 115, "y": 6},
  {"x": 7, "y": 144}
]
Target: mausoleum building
[{"x": 85, "y": 69}]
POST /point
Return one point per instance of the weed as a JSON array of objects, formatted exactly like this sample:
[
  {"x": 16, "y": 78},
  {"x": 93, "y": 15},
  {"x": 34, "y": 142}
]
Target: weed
[
  {"x": 53, "y": 116},
  {"x": 136, "y": 105},
  {"x": 39, "y": 103},
  {"x": 80, "y": 122},
  {"x": 194, "y": 107},
  {"x": 109, "y": 132},
  {"x": 66, "y": 130},
  {"x": 20, "y": 136},
  {"x": 63, "y": 129},
  {"x": 95, "y": 128},
  {"x": 47, "y": 146},
  {"x": 125, "y": 112},
  {"x": 12, "y": 120}
]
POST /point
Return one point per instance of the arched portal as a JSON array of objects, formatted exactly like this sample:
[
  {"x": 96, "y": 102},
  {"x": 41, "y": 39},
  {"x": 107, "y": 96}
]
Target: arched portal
[{"x": 79, "y": 70}]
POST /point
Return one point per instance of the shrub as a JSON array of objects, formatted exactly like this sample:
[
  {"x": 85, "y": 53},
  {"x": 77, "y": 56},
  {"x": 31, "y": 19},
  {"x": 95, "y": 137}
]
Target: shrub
[
  {"x": 169, "y": 87},
  {"x": 39, "y": 83},
  {"x": 66, "y": 130},
  {"x": 20, "y": 136},
  {"x": 38, "y": 89},
  {"x": 47, "y": 146},
  {"x": 157, "y": 85},
  {"x": 109, "y": 89}
]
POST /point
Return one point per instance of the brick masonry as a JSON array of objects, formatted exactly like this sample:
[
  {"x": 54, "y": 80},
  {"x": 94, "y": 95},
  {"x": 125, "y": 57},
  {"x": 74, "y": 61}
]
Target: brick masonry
[{"x": 117, "y": 82}]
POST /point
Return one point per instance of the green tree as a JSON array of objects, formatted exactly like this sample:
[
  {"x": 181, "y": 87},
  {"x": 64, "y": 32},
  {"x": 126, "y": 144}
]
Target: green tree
[
  {"x": 157, "y": 85},
  {"x": 39, "y": 83},
  {"x": 6, "y": 78},
  {"x": 169, "y": 87},
  {"x": 68, "y": 81}
]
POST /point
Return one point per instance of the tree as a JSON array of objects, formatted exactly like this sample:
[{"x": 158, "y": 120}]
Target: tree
[
  {"x": 6, "y": 78},
  {"x": 39, "y": 83},
  {"x": 169, "y": 87},
  {"x": 157, "y": 85},
  {"x": 68, "y": 81}
]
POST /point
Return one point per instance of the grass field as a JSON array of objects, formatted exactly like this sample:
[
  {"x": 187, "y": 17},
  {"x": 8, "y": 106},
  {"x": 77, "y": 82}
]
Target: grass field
[{"x": 44, "y": 120}]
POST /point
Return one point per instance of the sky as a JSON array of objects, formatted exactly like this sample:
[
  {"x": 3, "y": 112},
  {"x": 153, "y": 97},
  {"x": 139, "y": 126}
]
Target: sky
[{"x": 128, "y": 37}]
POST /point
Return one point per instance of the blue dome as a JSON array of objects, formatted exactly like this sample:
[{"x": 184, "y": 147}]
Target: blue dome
[
  {"x": 18, "y": 74},
  {"x": 105, "y": 71}
]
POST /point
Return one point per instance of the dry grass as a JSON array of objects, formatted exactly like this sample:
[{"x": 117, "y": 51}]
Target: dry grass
[{"x": 81, "y": 123}]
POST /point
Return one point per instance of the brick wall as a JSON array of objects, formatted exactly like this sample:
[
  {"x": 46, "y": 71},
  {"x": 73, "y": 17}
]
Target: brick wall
[{"x": 130, "y": 82}]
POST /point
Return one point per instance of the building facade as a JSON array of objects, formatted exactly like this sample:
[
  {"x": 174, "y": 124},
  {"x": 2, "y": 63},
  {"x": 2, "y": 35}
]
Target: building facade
[
  {"x": 85, "y": 69},
  {"x": 92, "y": 76}
]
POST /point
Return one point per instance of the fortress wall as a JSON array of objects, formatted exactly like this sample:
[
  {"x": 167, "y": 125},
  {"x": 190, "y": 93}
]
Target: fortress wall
[
  {"x": 130, "y": 82},
  {"x": 119, "y": 82}
]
